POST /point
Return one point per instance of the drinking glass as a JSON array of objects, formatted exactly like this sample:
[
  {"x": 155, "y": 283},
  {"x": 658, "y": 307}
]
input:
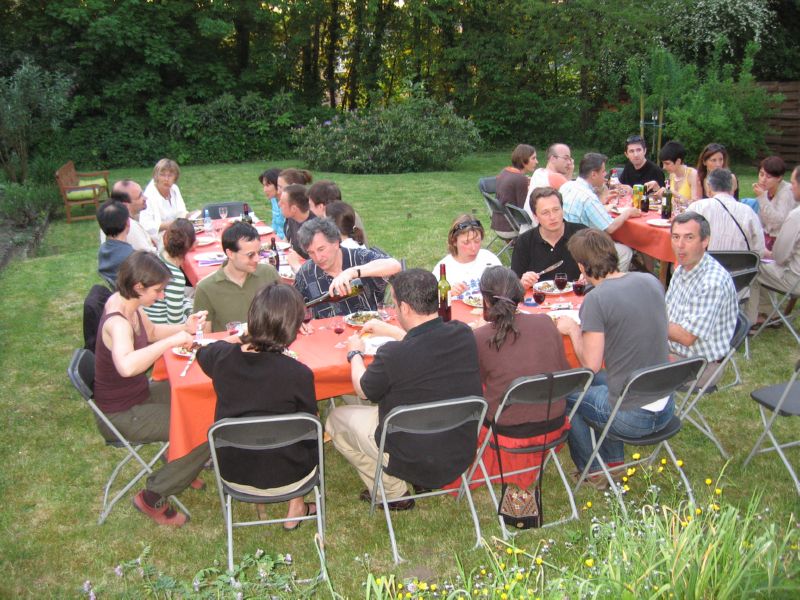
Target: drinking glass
[
  {"x": 338, "y": 325},
  {"x": 223, "y": 212},
  {"x": 539, "y": 297},
  {"x": 579, "y": 287},
  {"x": 561, "y": 281},
  {"x": 233, "y": 327},
  {"x": 308, "y": 315}
]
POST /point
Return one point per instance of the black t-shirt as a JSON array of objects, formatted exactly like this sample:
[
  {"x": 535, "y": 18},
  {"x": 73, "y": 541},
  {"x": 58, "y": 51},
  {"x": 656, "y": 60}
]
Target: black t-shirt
[
  {"x": 435, "y": 361},
  {"x": 648, "y": 172},
  {"x": 532, "y": 253}
]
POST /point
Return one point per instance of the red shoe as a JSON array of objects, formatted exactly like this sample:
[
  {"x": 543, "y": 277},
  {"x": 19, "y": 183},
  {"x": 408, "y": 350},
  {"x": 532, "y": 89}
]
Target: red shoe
[{"x": 163, "y": 515}]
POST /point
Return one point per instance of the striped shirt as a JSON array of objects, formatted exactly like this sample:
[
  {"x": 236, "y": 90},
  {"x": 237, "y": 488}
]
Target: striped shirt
[
  {"x": 725, "y": 235},
  {"x": 581, "y": 205},
  {"x": 175, "y": 307}
]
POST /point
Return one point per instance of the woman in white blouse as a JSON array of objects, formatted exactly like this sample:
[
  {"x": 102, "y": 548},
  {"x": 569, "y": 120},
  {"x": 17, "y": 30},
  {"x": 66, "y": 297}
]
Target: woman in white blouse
[
  {"x": 467, "y": 260},
  {"x": 164, "y": 200}
]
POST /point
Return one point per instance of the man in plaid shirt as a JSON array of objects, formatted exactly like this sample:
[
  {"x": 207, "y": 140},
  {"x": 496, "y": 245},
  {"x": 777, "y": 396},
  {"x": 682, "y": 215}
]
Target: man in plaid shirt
[
  {"x": 332, "y": 267},
  {"x": 701, "y": 300}
]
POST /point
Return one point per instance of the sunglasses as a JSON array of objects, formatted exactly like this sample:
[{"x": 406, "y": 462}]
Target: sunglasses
[{"x": 467, "y": 225}]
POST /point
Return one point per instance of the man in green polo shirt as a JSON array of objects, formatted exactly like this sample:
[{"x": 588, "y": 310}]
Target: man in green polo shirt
[{"x": 226, "y": 294}]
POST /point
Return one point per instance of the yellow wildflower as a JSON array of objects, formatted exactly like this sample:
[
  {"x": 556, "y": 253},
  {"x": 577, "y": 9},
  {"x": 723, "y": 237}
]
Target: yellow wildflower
[
  {"x": 589, "y": 562},
  {"x": 715, "y": 507},
  {"x": 631, "y": 471},
  {"x": 433, "y": 587},
  {"x": 624, "y": 479},
  {"x": 423, "y": 586},
  {"x": 708, "y": 481},
  {"x": 509, "y": 551},
  {"x": 663, "y": 461},
  {"x": 698, "y": 511},
  {"x": 483, "y": 571},
  {"x": 684, "y": 523},
  {"x": 626, "y": 487},
  {"x": 539, "y": 560},
  {"x": 718, "y": 491},
  {"x": 660, "y": 469},
  {"x": 636, "y": 456},
  {"x": 502, "y": 566},
  {"x": 519, "y": 576},
  {"x": 679, "y": 463},
  {"x": 589, "y": 504},
  {"x": 503, "y": 596}
]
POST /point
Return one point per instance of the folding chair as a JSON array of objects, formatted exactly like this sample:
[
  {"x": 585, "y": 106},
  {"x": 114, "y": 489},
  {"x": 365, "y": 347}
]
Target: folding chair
[
  {"x": 428, "y": 418},
  {"x": 534, "y": 390},
  {"x": 743, "y": 268},
  {"x": 783, "y": 400},
  {"x": 487, "y": 187},
  {"x": 268, "y": 433},
  {"x": 235, "y": 209},
  {"x": 651, "y": 382},
  {"x": 81, "y": 374},
  {"x": 777, "y": 300},
  {"x": 688, "y": 410},
  {"x": 522, "y": 219}
]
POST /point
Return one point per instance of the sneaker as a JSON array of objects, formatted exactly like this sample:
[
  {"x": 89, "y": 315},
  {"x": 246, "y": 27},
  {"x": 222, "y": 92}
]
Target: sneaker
[
  {"x": 395, "y": 505},
  {"x": 163, "y": 514}
]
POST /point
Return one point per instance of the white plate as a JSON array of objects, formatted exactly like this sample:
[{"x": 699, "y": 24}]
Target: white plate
[
  {"x": 572, "y": 314},
  {"x": 286, "y": 272},
  {"x": 209, "y": 256},
  {"x": 659, "y": 222},
  {"x": 363, "y": 316},
  {"x": 205, "y": 240},
  {"x": 372, "y": 343},
  {"x": 184, "y": 353},
  {"x": 549, "y": 288},
  {"x": 281, "y": 245},
  {"x": 473, "y": 301},
  {"x": 264, "y": 230}
]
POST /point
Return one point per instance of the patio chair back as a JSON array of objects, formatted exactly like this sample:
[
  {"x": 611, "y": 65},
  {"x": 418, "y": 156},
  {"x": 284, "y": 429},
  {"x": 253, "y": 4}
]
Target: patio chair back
[{"x": 235, "y": 209}]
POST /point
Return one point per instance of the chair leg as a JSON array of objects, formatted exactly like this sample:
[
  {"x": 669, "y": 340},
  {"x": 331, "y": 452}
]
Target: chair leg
[
  {"x": 320, "y": 501},
  {"x": 387, "y": 514},
  {"x": 778, "y": 447},
  {"x": 475, "y": 522},
  {"x": 495, "y": 502},
  {"x": 700, "y": 423},
  {"x": 570, "y": 497},
  {"x": 759, "y": 441},
  {"x": 229, "y": 530},
  {"x": 147, "y": 468},
  {"x": 685, "y": 479}
]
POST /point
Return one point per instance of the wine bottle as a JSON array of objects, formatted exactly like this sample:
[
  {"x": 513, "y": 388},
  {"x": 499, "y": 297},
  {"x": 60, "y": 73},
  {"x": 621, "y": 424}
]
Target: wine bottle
[
  {"x": 445, "y": 309},
  {"x": 666, "y": 202},
  {"x": 277, "y": 257},
  {"x": 356, "y": 287},
  {"x": 246, "y": 218}
]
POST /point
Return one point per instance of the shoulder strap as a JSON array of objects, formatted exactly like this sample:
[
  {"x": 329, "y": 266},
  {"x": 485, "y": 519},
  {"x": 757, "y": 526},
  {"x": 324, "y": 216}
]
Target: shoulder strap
[{"x": 725, "y": 208}]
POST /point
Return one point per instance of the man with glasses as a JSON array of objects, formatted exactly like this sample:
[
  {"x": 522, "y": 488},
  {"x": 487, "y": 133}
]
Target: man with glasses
[
  {"x": 558, "y": 171},
  {"x": 226, "y": 293},
  {"x": 130, "y": 194},
  {"x": 639, "y": 170}
]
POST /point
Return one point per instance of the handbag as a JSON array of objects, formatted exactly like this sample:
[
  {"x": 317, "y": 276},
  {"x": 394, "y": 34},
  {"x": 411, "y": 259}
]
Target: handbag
[{"x": 519, "y": 508}]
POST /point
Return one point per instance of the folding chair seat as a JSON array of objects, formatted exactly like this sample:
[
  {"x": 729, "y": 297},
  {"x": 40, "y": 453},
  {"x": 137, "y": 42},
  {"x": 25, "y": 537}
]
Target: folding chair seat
[
  {"x": 81, "y": 374},
  {"x": 534, "y": 390},
  {"x": 487, "y": 187},
  {"x": 430, "y": 418},
  {"x": 235, "y": 209},
  {"x": 743, "y": 268},
  {"x": 778, "y": 298},
  {"x": 521, "y": 219},
  {"x": 782, "y": 400},
  {"x": 654, "y": 382},
  {"x": 688, "y": 410},
  {"x": 267, "y": 433}
]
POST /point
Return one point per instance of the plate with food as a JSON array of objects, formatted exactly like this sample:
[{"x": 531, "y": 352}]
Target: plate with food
[
  {"x": 373, "y": 342},
  {"x": 205, "y": 240},
  {"x": 264, "y": 230},
  {"x": 659, "y": 222},
  {"x": 282, "y": 245},
  {"x": 187, "y": 352},
  {"x": 357, "y": 319},
  {"x": 285, "y": 271},
  {"x": 475, "y": 301},
  {"x": 209, "y": 256},
  {"x": 548, "y": 287}
]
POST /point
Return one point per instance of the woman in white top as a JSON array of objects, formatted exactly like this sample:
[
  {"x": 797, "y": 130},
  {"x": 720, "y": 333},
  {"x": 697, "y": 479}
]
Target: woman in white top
[
  {"x": 164, "y": 200},
  {"x": 345, "y": 218},
  {"x": 774, "y": 196},
  {"x": 467, "y": 260}
]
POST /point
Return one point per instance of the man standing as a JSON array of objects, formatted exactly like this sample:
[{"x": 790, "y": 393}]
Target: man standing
[
  {"x": 431, "y": 361},
  {"x": 332, "y": 268},
  {"x": 546, "y": 244},
  {"x": 130, "y": 193},
  {"x": 112, "y": 216},
  {"x": 582, "y": 204},
  {"x": 558, "y": 171},
  {"x": 511, "y": 184},
  {"x": 734, "y": 226},
  {"x": 227, "y": 292},
  {"x": 784, "y": 273},
  {"x": 701, "y": 300},
  {"x": 639, "y": 170},
  {"x": 294, "y": 206}
]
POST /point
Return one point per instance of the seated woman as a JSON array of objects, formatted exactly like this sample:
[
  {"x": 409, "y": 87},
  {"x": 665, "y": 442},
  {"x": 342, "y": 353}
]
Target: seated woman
[
  {"x": 513, "y": 345},
  {"x": 128, "y": 344},
  {"x": 164, "y": 200},
  {"x": 269, "y": 181},
  {"x": 713, "y": 156},
  {"x": 345, "y": 218},
  {"x": 774, "y": 196},
  {"x": 175, "y": 307},
  {"x": 467, "y": 260},
  {"x": 255, "y": 377},
  {"x": 682, "y": 179}
]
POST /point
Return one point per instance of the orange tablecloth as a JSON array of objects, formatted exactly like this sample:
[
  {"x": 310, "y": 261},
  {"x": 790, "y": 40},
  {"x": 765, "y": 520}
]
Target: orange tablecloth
[
  {"x": 653, "y": 241},
  {"x": 193, "y": 398}
]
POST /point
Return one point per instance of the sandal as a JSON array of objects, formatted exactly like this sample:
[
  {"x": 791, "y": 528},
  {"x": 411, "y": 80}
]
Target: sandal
[{"x": 308, "y": 514}]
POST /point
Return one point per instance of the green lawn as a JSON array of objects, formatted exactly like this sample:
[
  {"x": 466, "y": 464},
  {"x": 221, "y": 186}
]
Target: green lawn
[{"x": 54, "y": 462}]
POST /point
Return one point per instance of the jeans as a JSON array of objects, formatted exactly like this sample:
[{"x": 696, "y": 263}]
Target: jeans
[{"x": 635, "y": 422}]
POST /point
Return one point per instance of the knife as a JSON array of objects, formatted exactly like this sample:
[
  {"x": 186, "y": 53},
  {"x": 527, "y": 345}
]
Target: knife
[
  {"x": 189, "y": 364},
  {"x": 550, "y": 268}
]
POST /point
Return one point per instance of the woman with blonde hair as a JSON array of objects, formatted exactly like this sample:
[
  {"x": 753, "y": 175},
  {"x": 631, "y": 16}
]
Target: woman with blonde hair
[{"x": 164, "y": 200}]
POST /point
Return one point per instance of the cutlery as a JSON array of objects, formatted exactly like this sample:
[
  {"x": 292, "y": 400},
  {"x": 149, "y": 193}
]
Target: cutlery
[
  {"x": 189, "y": 364},
  {"x": 550, "y": 268}
]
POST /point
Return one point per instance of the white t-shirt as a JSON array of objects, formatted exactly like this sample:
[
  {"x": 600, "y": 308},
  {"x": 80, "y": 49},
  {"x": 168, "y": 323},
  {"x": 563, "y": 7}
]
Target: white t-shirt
[
  {"x": 469, "y": 273},
  {"x": 161, "y": 209},
  {"x": 137, "y": 237}
]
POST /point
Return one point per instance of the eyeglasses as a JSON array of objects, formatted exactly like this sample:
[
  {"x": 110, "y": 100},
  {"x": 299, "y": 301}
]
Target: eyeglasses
[
  {"x": 249, "y": 255},
  {"x": 475, "y": 224}
]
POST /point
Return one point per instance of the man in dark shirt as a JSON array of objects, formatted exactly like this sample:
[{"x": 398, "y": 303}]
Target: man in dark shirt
[
  {"x": 546, "y": 244},
  {"x": 113, "y": 218},
  {"x": 639, "y": 170},
  {"x": 432, "y": 360},
  {"x": 294, "y": 206}
]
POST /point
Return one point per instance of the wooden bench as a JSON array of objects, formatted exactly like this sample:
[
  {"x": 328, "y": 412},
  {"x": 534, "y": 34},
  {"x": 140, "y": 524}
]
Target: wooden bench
[{"x": 78, "y": 189}]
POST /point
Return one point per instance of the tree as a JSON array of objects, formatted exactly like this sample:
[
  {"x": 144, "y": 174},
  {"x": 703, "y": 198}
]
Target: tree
[{"x": 33, "y": 102}]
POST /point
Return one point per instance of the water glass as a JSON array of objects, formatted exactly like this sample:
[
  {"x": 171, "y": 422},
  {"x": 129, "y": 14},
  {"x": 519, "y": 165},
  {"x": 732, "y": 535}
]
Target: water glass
[{"x": 223, "y": 212}]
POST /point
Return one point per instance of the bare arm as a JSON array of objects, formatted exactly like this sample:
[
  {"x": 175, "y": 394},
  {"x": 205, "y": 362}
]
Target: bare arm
[
  {"x": 626, "y": 213},
  {"x": 588, "y": 345},
  {"x": 357, "y": 366},
  {"x": 678, "y": 334},
  {"x": 118, "y": 337},
  {"x": 381, "y": 267}
]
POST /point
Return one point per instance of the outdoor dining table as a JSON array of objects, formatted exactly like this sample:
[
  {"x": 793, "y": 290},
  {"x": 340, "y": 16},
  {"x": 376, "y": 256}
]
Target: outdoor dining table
[
  {"x": 638, "y": 234},
  {"x": 193, "y": 399}
]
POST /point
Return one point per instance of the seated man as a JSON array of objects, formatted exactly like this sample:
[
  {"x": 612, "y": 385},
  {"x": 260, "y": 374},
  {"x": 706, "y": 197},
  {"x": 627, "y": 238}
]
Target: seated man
[
  {"x": 130, "y": 193},
  {"x": 734, "y": 226},
  {"x": 784, "y": 273},
  {"x": 511, "y": 184},
  {"x": 325, "y": 192},
  {"x": 294, "y": 206},
  {"x": 112, "y": 216},
  {"x": 227, "y": 292},
  {"x": 624, "y": 327},
  {"x": 701, "y": 299},
  {"x": 546, "y": 244},
  {"x": 332, "y": 267},
  {"x": 558, "y": 171},
  {"x": 431, "y": 360},
  {"x": 582, "y": 204},
  {"x": 638, "y": 169}
]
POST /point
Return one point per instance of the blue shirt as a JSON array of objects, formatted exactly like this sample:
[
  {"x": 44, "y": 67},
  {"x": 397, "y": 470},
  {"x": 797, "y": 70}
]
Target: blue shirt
[{"x": 581, "y": 205}]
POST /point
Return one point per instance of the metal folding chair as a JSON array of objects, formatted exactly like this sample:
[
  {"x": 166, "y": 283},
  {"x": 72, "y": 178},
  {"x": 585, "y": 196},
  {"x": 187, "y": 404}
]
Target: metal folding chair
[
  {"x": 778, "y": 298},
  {"x": 235, "y": 209},
  {"x": 534, "y": 390},
  {"x": 651, "y": 382},
  {"x": 429, "y": 418},
  {"x": 743, "y": 268},
  {"x": 81, "y": 374},
  {"x": 782, "y": 400},
  {"x": 263, "y": 434},
  {"x": 522, "y": 219},
  {"x": 487, "y": 187}
]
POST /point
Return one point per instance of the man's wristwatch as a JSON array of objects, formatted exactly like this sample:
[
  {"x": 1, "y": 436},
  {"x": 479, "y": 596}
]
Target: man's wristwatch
[{"x": 353, "y": 353}]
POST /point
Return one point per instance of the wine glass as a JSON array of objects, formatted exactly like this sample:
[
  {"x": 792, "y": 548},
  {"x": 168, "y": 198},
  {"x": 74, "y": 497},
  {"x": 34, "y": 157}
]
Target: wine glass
[
  {"x": 338, "y": 325},
  {"x": 538, "y": 297},
  {"x": 561, "y": 281},
  {"x": 307, "y": 316},
  {"x": 579, "y": 287},
  {"x": 223, "y": 212}
]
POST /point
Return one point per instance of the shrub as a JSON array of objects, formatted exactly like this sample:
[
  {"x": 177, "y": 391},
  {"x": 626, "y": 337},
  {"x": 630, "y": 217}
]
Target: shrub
[
  {"x": 26, "y": 204},
  {"x": 416, "y": 135}
]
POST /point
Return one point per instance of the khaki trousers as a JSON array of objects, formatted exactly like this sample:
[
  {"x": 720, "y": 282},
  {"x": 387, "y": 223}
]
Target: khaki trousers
[
  {"x": 774, "y": 276},
  {"x": 352, "y": 429}
]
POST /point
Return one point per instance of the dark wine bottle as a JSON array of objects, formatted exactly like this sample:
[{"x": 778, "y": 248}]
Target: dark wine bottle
[
  {"x": 445, "y": 309},
  {"x": 666, "y": 202},
  {"x": 246, "y": 217},
  {"x": 356, "y": 287},
  {"x": 277, "y": 257}
]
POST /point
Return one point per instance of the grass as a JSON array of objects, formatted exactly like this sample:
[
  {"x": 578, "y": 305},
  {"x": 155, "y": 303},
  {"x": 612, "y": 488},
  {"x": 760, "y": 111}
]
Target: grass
[{"x": 54, "y": 463}]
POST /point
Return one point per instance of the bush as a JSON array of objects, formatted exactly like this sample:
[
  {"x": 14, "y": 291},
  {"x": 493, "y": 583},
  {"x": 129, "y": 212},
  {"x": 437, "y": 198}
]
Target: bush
[
  {"x": 416, "y": 135},
  {"x": 26, "y": 204}
]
